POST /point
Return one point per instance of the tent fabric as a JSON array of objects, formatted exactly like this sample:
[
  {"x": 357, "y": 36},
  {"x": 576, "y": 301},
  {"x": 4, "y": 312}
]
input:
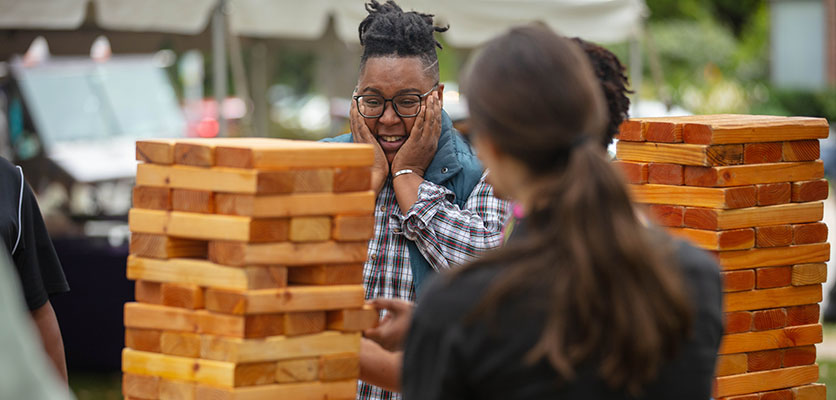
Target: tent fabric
[{"x": 472, "y": 21}]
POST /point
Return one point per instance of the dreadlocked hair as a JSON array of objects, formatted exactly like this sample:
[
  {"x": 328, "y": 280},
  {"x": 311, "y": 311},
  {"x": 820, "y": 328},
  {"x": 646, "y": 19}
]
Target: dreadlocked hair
[
  {"x": 389, "y": 31},
  {"x": 614, "y": 82}
]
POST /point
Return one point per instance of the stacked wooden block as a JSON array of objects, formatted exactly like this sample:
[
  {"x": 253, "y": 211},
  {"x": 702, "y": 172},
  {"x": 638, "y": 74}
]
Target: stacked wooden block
[
  {"x": 750, "y": 190},
  {"x": 248, "y": 259}
]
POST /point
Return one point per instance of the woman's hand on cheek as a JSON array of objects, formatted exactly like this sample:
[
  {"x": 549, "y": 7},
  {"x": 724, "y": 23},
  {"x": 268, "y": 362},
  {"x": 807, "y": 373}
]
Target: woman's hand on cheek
[
  {"x": 362, "y": 134},
  {"x": 419, "y": 149}
]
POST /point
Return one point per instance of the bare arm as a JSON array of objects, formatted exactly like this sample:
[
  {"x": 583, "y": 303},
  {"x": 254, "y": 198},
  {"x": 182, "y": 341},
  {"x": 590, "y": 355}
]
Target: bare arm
[
  {"x": 380, "y": 367},
  {"x": 53, "y": 343}
]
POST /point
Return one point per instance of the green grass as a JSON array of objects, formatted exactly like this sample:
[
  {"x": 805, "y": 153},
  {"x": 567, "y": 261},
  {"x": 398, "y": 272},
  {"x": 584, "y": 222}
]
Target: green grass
[
  {"x": 96, "y": 386},
  {"x": 827, "y": 375}
]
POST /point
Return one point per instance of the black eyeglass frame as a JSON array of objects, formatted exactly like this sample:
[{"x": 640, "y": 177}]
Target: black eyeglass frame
[{"x": 392, "y": 100}]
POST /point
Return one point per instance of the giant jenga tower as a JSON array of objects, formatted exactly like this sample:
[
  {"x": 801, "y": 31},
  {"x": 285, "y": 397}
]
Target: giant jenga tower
[
  {"x": 750, "y": 190},
  {"x": 248, "y": 259}
]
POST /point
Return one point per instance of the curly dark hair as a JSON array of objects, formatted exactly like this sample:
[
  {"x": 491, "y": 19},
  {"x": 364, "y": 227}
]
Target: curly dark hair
[
  {"x": 611, "y": 74},
  {"x": 389, "y": 31}
]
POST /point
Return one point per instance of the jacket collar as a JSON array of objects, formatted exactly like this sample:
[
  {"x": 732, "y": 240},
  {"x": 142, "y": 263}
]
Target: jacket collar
[{"x": 445, "y": 164}]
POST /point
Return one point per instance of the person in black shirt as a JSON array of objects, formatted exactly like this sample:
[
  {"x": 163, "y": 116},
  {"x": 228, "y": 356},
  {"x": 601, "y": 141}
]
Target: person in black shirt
[
  {"x": 586, "y": 302},
  {"x": 23, "y": 232}
]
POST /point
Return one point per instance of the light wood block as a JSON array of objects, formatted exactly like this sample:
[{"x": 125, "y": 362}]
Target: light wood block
[
  {"x": 310, "y": 229},
  {"x": 209, "y": 372},
  {"x": 150, "y": 316},
  {"x": 731, "y": 364},
  {"x": 340, "y": 390},
  {"x": 801, "y": 150},
  {"x": 353, "y": 320},
  {"x": 352, "y": 179},
  {"x": 313, "y": 180},
  {"x": 281, "y": 154},
  {"x": 140, "y": 386},
  {"x": 682, "y": 154},
  {"x": 814, "y": 391},
  {"x": 759, "y": 153},
  {"x": 302, "y": 323},
  {"x": 717, "y": 240},
  {"x": 774, "y": 256},
  {"x": 308, "y": 204},
  {"x": 772, "y": 298},
  {"x": 147, "y": 221},
  {"x": 353, "y": 227},
  {"x": 157, "y": 151},
  {"x": 334, "y": 274},
  {"x": 230, "y": 180},
  {"x": 200, "y": 153},
  {"x": 809, "y": 274},
  {"x": 774, "y": 129},
  {"x": 740, "y": 175},
  {"x": 152, "y": 198},
  {"x": 176, "y": 390},
  {"x": 718, "y": 219},
  {"x": 196, "y": 201},
  {"x": 791, "y": 336},
  {"x": 253, "y": 374},
  {"x": 810, "y": 190},
  {"x": 290, "y": 299},
  {"x": 143, "y": 339},
  {"x": 148, "y": 292},
  {"x": 227, "y": 227},
  {"x": 334, "y": 367},
  {"x": 290, "y": 254},
  {"x": 206, "y": 273},
  {"x": 277, "y": 348},
  {"x": 242, "y": 326},
  {"x": 162, "y": 246},
  {"x": 299, "y": 370},
  {"x": 736, "y": 197},
  {"x": 183, "y": 344},
  {"x": 766, "y": 380},
  {"x": 182, "y": 295}
]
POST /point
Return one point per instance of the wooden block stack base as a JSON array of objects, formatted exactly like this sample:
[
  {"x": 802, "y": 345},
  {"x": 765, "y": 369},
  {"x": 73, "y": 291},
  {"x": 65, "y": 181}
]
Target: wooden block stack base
[
  {"x": 750, "y": 190},
  {"x": 248, "y": 260}
]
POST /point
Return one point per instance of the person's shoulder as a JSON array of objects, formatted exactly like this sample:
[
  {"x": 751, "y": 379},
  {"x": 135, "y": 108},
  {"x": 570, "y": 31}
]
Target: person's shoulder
[
  {"x": 344, "y": 138},
  {"x": 7, "y": 168},
  {"x": 695, "y": 261}
]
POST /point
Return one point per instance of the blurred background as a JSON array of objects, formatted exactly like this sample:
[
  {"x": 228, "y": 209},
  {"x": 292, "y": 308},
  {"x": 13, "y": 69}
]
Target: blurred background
[{"x": 81, "y": 80}]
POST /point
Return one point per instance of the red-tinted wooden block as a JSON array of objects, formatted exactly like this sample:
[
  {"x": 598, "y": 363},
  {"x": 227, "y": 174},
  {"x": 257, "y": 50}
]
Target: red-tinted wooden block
[
  {"x": 736, "y": 281},
  {"x": 773, "y": 236},
  {"x": 774, "y": 193},
  {"x": 631, "y": 131},
  {"x": 633, "y": 172},
  {"x": 664, "y": 174},
  {"x": 765, "y": 320},
  {"x": 758, "y": 153},
  {"x": 804, "y": 355},
  {"x": 772, "y": 277},
  {"x": 738, "y": 322},
  {"x": 803, "y": 315},
  {"x": 801, "y": 150},
  {"x": 764, "y": 360},
  {"x": 809, "y": 191},
  {"x": 700, "y": 176},
  {"x": 809, "y": 233},
  {"x": 666, "y": 132},
  {"x": 665, "y": 215},
  {"x": 700, "y": 218},
  {"x": 785, "y": 394}
]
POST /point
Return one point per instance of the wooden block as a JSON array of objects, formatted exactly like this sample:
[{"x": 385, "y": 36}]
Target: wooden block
[
  {"x": 682, "y": 154},
  {"x": 774, "y": 256},
  {"x": 353, "y": 227},
  {"x": 785, "y": 394},
  {"x": 313, "y": 180},
  {"x": 633, "y": 172},
  {"x": 801, "y": 150},
  {"x": 310, "y": 229},
  {"x": 334, "y": 367},
  {"x": 275, "y": 348},
  {"x": 809, "y": 190},
  {"x": 227, "y": 227},
  {"x": 803, "y": 315},
  {"x": 352, "y": 179},
  {"x": 664, "y": 174},
  {"x": 773, "y": 129},
  {"x": 162, "y": 246},
  {"x": 308, "y": 204},
  {"x": 716, "y": 219},
  {"x": 243, "y": 326},
  {"x": 804, "y": 355},
  {"x": 200, "y": 153},
  {"x": 809, "y": 233},
  {"x": 152, "y": 198},
  {"x": 299, "y": 370},
  {"x": 252, "y": 374},
  {"x": 176, "y": 390},
  {"x": 143, "y": 339},
  {"x": 340, "y": 390},
  {"x": 758, "y": 153},
  {"x": 809, "y": 274},
  {"x": 736, "y": 281},
  {"x": 149, "y": 316},
  {"x": 353, "y": 320},
  {"x": 765, "y": 320},
  {"x": 753, "y": 396},
  {"x": 753, "y": 174},
  {"x": 157, "y": 151},
  {"x": 183, "y": 344},
  {"x": 772, "y": 277},
  {"x": 205, "y": 273},
  {"x": 815, "y": 391},
  {"x": 773, "y": 298},
  {"x": 208, "y": 372},
  {"x": 765, "y": 360},
  {"x": 230, "y": 180},
  {"x": 768, "y": 340},
  {"x": 731, "y": 364},
  {"x": 281, "y": 154},
  {"x": 306, "y": 322},
  {"x": 631, "y": 131},
  {"x": 147, "y": 292},
  {"x": 735, "y": 197},
  {"x": 182, "y": 296},
  {"x": 738, "y": 322},
  {"x": 140, "y": 386},
  {"x": 736, "y": 239},
  {"x": 196, "y": 201},
  {"x": 334, "y": 274},
  {"x": 665, "y": 215},
  {"x": 666, "y": 132},
  {"x": 773, "y": 236},
  {"x": 290, "y": 299},
  {"x": 240, "y": 253},
  {"x": 766, "y": 380},
  {"x": 148, "y": 221},
  {"x": 774, "y": 193}
]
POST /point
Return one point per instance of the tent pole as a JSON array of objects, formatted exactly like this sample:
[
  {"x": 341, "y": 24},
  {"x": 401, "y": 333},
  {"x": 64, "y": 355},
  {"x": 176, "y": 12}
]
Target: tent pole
[{"x": 219, "y": 63}]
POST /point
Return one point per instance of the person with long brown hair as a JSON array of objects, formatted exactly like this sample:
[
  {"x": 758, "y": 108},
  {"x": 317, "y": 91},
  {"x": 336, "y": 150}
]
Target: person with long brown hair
[{"x": 585, "y": 302}]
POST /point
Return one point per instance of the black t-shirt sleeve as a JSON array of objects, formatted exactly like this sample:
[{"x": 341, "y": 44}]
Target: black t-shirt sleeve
[{"x": 37, "y": 263}]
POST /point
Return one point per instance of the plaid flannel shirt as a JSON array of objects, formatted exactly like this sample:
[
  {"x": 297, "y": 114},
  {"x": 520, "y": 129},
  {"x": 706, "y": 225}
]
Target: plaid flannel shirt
[{"x": 446, "y": 235}]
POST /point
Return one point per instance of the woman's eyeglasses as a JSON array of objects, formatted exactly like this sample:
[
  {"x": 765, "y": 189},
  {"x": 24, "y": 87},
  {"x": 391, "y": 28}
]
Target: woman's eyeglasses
[{"x": 406, "y": 105}]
